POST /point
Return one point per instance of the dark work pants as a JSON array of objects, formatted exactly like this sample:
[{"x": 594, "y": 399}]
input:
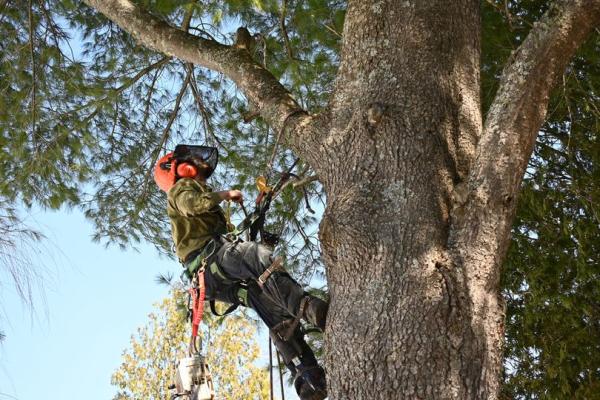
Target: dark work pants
[{"x": 279, "y": 299}]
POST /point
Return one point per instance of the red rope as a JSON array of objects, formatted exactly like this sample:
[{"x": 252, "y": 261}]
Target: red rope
[{"x": 198, "y": 294}]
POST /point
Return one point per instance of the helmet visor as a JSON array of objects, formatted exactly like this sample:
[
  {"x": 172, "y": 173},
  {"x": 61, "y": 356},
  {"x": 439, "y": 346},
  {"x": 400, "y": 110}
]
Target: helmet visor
[{"x": 190, "y": 153}]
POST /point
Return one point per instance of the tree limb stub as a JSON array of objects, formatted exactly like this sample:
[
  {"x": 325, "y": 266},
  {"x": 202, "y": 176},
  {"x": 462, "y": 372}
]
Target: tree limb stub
[{"x": 273, "y": 101}]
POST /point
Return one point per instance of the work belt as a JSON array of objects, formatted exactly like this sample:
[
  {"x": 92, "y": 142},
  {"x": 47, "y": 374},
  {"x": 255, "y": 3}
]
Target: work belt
[{"x": 202, "y": 259}]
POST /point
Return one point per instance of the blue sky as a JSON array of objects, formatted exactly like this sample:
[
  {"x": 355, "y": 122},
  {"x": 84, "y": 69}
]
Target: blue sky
[{"x": 95, "y": 299}]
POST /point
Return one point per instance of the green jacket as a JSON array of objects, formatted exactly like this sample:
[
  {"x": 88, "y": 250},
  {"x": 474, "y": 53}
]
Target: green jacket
[{"x": 195, "y": 215}]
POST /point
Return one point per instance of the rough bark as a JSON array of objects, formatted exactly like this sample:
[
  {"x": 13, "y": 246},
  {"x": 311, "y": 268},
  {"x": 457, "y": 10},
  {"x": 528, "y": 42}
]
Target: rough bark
[
  {"x": 404, "y": 126},
  {"x": 420, "y": 196},
  {"x": 435, "y": 329}
]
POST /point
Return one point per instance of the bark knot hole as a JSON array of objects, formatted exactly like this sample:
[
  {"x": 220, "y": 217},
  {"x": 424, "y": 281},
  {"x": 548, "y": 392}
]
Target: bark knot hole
[{"x": 375, "y": 113}]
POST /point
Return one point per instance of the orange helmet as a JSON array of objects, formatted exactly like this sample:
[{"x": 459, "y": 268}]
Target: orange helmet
[{"x": 181, "y": 164}]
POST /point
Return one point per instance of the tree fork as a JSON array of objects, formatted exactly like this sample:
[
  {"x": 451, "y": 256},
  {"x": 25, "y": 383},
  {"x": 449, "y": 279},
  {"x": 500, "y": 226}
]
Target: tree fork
[{"x": 480, "y": 229}]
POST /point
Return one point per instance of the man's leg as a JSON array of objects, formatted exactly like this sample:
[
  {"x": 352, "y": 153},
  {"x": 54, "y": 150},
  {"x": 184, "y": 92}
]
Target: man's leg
[
  {"x": 279, "y": 301},
  {"x": 309, "y": 377},
  {"x": 252, "y": 261}
]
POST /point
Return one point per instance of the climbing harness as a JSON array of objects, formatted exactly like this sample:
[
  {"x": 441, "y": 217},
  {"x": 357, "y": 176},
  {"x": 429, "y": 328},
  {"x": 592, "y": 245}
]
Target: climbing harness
[
  {"x": 276, "y": 265},
  {"x": 287, "y": 327}
]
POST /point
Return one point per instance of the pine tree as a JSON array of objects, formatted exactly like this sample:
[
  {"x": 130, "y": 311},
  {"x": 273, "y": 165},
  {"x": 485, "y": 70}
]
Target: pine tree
[{"x": 82, "y": 126}]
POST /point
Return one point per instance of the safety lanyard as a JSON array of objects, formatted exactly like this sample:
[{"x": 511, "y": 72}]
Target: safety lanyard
[{"x": 198, "y": 294}]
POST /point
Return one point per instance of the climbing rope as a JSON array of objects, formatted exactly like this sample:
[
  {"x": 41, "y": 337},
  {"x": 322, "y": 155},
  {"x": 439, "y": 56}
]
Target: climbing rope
[
  {"x": 269, "y": 168},
  {"x": 271, "y": 371}
]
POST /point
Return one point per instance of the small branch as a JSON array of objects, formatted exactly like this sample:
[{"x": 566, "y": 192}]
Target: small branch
[
  {"x": 173, "y": 116},
  {"x": 305, "y": 181},
  {"x": 250, "y": 116},
  {"x": 187, "y": 19},
  {"x": 286, "y": 38},
  {"x": 330, "y": 29},
  {"x": 203, "y": 111},
  {"x": 185, "y": 25},
  {"x": 301, "y": 230},
  {"x": 568, "y": 104},
  {"x": 149, "y": 96},
  {"x": 203, "y": 32},
  {"x": 126, "y": 85},
  {"x": 165, "y": 136},
  {"x": 141, "y": 74},
  {"x": 33, "y": 72},
  {"x": 56, "y": 34},
  {"x": 52, "y": 27},
  {"x": 115, "y": 120}
]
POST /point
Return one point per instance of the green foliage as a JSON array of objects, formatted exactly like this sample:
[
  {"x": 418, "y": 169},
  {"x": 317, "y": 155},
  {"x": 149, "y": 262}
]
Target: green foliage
[
  {"x": 148, "y": 366},
  {"x": 84, "y": 117},
  {"x": 20, "y": 246}
]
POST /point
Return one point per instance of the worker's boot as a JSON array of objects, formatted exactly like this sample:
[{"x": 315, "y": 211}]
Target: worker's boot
[
  {"x": 315, "y": 311},
  {"x": 310, "y": 383},
  {"x": 309, "y": 377}
]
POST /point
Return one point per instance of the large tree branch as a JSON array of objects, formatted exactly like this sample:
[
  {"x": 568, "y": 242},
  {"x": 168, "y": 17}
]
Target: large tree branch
[
  {"x": 272, "y": 100},
  {"x": 517, "y": 113},
  {"x": 484, "y": 210},
  {"x": 521, "y": 103}
]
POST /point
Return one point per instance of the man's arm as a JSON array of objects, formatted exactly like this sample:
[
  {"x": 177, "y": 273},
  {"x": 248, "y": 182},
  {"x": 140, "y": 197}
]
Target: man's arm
[{"x": 190, "y": 201}]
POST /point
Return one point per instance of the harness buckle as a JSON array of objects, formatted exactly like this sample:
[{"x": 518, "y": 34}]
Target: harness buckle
[
  {"x": 262, "y": 279},
  {"x": 203, "y": 264}
]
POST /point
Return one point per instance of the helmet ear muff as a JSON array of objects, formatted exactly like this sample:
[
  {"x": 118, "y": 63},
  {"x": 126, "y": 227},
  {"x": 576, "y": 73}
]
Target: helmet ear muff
[{"x": 186, "y": 170}]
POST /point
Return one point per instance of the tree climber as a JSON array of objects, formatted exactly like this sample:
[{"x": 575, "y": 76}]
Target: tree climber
[{"x": 238, "y": 272}]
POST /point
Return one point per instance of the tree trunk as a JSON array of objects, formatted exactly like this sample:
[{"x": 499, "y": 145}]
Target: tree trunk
[
  {"x": 418, "y": 208},
  {"x": 404, "y": 125}
]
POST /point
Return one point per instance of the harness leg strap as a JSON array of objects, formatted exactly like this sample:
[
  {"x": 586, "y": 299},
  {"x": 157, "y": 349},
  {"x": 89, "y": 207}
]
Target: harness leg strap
[
  {"x": 285, "y": 330},
  {"x": 275, "y": 266},
  {"x": 294, "y": 348}
]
